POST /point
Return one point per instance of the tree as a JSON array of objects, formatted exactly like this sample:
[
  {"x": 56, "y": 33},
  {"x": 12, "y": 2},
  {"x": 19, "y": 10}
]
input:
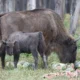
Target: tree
[
  {"x": 7, "y": 6},
  {"x": 74, "y": 16},
  {"x": 51, "y": 4},
  {"x": 24, "y": 5},
  {"x": 1, "y": 6},
  {"x": 31, "y": 4},
  {"x": 20, "y": 5},
  {"x": 60, "y": 7},
  {"x": 10, "y": 5},
  {"x": 68, "y": 5}
]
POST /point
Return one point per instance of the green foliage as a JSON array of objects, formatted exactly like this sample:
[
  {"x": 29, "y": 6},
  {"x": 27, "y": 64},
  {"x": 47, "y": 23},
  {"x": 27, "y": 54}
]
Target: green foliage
[{"x": 67, "y": 21}]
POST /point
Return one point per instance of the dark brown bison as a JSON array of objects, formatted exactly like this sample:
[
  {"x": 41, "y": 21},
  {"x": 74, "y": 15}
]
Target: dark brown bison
[
  {"x": 56, "y": 37},
  {"x": 19, "y": 42}
]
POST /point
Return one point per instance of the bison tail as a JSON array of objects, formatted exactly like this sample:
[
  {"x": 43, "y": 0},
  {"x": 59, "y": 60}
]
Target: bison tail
[{"x": 42, "y": 44}]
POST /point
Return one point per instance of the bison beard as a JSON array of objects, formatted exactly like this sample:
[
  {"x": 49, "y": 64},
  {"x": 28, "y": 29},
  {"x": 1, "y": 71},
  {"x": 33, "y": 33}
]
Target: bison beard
[{"x": 56, "y": 37}]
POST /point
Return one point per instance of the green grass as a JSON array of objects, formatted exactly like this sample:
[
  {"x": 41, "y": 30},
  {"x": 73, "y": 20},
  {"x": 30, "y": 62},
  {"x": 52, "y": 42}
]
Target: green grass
[{"x": 29, "y": 73}]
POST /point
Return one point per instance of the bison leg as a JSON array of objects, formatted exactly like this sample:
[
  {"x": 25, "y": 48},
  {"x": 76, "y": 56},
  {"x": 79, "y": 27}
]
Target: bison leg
[
  {"x": 3, "y": 60},
  {"x": 44, "y": 58},
  {"x": 45, "y": 61},
  {"x": 35, "y": 55},
  {"x": 16, "y": 59}
]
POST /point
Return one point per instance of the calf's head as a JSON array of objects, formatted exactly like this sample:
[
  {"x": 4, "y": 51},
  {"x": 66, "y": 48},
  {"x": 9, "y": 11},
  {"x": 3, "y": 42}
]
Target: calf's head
[{"x": 11, "y": 47}]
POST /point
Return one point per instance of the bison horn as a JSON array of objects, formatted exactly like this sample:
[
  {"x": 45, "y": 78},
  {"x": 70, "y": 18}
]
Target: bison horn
[{"x": 77, "y": 39}]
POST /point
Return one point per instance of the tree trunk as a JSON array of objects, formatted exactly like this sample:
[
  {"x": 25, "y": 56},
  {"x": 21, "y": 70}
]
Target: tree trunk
[
  {"x": 24, "y": 5},
  {"x": 51, "y": 4},
  {"x": 73, "y": 3},
  {"x": 18, "y": 5},
  {"x": 74, "y": 17},
  {"x": 68, "y": 5},
  {"x": 60, "y": 7},
  {"x": 44, "y": 3},
  {"x": 1, "y": 6},
  {"x": 9, "y": 5},
  {"x": 31, "y": 4}
]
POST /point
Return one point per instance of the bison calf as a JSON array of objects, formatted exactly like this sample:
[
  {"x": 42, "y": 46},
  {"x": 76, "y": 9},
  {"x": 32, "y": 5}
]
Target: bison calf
[{"x": 19, "y": 42}]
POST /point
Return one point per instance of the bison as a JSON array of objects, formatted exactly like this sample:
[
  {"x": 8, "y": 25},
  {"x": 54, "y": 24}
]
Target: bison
[
  {"x": 19, "y": 42},
  {"x": 46, "y": 20}
]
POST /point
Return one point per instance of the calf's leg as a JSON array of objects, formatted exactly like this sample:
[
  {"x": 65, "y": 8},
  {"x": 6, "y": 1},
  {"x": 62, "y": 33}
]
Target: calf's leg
[
  {"x": 16, "y": 59},
  {"x": 44, "y": 58},
  {"x": 3, "y": 60},
  {"x": 35, "y": 55}
]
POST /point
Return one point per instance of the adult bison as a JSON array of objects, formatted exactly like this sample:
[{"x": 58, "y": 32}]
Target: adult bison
[{"x": 56, "y": 37}]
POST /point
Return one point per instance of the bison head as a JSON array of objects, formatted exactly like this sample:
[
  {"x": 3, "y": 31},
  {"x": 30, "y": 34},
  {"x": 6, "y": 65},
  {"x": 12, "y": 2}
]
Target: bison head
[
  {"x": 68, "y": 51},
  {"x": 11, "y": 47}
]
